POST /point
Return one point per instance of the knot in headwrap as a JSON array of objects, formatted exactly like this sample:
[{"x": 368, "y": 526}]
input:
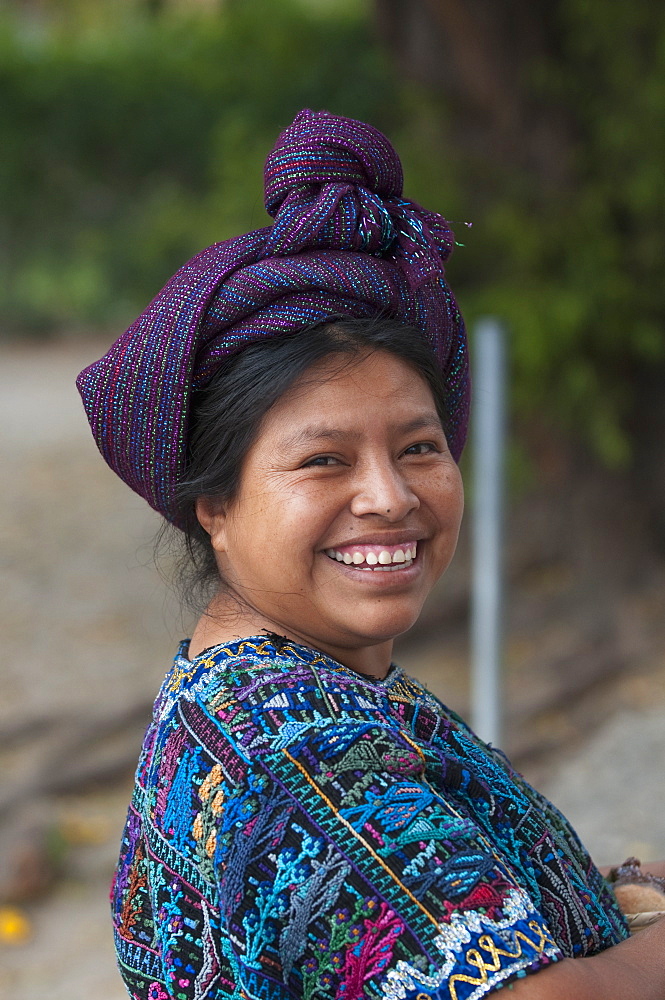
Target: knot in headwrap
[
  {"x": 336, "y": 184},
  {"x": 344, "y": 243},
  {"x": 321, "y": 149},
  {"x": 326, "y": 185}
]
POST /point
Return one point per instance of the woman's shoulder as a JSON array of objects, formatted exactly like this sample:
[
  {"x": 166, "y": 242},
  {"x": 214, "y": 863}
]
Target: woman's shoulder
[
  {"x": 227, "y": 666},
  {"x": 263, "y": 675}
]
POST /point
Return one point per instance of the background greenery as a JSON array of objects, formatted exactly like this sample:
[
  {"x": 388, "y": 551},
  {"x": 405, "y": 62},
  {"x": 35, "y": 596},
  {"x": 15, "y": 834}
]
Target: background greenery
[{"x": 134, "y": 134}]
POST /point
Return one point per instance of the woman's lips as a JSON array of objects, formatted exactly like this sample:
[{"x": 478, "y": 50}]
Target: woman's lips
[{"x": 375, "y": 557}]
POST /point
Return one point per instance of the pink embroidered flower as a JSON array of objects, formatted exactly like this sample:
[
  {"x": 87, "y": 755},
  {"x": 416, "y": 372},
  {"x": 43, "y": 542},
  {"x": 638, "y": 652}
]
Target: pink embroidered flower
[{"x": 155, "y": 992}]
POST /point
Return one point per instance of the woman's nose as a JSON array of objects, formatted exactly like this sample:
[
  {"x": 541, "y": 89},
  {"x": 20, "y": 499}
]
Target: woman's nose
[{"x": 382, "y": 490}]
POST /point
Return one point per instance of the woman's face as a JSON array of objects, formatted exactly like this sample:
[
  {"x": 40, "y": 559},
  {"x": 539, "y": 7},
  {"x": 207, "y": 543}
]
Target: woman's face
[{"x": 348, "y": 510}]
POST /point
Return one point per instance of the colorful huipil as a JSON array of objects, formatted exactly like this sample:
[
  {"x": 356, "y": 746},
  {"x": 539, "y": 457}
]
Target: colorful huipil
[{"x": 299, "y": 830}]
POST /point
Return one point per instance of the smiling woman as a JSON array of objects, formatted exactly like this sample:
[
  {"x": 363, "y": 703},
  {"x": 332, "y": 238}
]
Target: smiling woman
[
  {"x": 365, "y": 503},
  {"x": 376, "y": 490},
  {"x": 307, "y": 820}
]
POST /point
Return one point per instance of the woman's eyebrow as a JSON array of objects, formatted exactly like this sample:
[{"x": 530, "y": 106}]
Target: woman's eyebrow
[
  {"x": 428, "y": 421},
  {"x": 324, "y": 432}
]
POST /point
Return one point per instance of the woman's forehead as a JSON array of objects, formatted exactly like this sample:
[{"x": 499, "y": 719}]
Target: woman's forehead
[
  {"x": 373, "y": 375},
  {"x": 380, "y": 390}
]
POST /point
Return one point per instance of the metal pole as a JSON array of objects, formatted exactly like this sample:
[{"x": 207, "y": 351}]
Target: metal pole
[{"x": 489, "y": 379}]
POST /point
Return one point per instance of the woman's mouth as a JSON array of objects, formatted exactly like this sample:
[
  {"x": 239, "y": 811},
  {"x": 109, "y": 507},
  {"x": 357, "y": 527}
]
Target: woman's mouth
[{"x": 376, "y": 558}]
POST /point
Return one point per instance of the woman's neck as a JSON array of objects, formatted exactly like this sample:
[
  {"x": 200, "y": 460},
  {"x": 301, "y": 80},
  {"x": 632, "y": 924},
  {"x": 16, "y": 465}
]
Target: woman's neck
[{"x": 221, "y": 624}]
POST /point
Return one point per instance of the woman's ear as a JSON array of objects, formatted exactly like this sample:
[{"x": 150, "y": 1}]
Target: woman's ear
[{"x": 211, "y": 516}]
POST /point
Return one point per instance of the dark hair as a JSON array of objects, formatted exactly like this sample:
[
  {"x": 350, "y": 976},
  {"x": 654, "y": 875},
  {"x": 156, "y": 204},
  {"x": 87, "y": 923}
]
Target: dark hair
[{"x": 226, "y": 415}]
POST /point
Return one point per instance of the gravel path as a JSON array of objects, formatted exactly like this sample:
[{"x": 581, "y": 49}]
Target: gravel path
[{"x": 88, "y": 627}]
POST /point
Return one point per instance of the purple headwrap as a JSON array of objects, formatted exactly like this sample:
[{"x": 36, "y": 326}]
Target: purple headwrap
[{"x": 344, "y": 243}]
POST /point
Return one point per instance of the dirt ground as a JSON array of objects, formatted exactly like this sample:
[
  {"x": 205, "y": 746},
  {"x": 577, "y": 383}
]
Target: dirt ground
[{"x": 89, "y": 627}]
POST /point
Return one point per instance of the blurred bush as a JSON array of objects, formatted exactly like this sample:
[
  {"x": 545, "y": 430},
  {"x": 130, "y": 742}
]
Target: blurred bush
[
  {"x": 577, "y": 264},
  {"x": 131, "y": 141}
]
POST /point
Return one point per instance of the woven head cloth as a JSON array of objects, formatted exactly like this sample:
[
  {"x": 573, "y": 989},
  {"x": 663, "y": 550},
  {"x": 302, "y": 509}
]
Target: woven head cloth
[{"x": 343, "y": 243}]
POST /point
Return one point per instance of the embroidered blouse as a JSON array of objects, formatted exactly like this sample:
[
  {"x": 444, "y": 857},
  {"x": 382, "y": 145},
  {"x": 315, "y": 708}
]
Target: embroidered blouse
[{"x": 299, "y": 830}]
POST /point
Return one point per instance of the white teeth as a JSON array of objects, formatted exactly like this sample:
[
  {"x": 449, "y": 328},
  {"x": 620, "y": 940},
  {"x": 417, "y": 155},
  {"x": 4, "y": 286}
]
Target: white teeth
[{"x": 383, "y": 561}]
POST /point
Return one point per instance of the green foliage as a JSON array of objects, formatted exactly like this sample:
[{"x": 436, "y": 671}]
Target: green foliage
[
  {"x": 129, "y": 148},
  {"x": 577, "y": 268}
]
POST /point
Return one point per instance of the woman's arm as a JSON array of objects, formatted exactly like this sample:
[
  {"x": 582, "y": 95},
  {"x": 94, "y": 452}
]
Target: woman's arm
[{"x": 632, "y": 970}]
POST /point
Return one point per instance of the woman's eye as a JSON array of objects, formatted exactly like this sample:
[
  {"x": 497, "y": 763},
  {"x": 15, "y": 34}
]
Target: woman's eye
[
  {"x": 320, "y": 460},
  {"x": 422, "y": 448}
]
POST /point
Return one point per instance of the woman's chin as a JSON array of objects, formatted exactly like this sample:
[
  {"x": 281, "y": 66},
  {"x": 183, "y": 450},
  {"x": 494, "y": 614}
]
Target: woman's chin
[{"x": 370, "y": 629}]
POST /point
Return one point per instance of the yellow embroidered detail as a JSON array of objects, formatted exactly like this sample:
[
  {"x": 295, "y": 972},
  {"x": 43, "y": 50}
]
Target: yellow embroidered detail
[
  {"x": 222, "y": 702},
  {"x": 404, "y": 690},
  {"x": 492, "y": 963},
  {"x": 210, "y": 782},
  {"x": 267, "y": 646},
  {"x": 179, "y": 677},
  {"x": 211, "y": 843},
  {"x": 418, "y": 750}
]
